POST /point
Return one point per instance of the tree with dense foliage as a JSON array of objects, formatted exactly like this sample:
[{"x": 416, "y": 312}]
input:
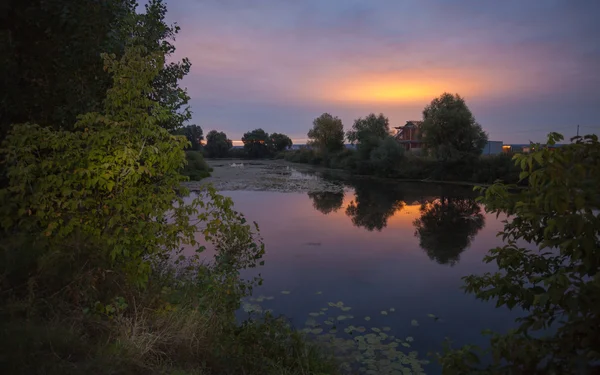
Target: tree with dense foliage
[
  {"x": 368, "y": 133},
  {"x": 327, "y": 202},
  {"x": 554, "y": 279},
  {"x": 280, "y": 142},
  {"x": 94, "y": 234},
  {"x": 449, "y": 129},
  {"x": 257, "y": 143},
  {"x": 386, "y": 157},
  {"x": 194, "y": 135},
  {"x": 51, "y": 66},
  {"x": 447, "y": 226},
  {"x": 217, "y": 144},
  {"x": 327, "y": 133}
]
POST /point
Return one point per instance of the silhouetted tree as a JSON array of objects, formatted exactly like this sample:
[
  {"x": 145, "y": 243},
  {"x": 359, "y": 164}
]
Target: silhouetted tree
[
  {"x": 217, "y": 144},
  {"x": 280, "y": 142},
  {"x": 327, "y": 133},
  {"x": 256, "y": 143},
  {"x": 446, "y": 228}
]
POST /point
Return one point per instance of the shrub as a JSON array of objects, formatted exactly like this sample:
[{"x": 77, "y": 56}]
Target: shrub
[
  {"x": 196, "y": 168},
  {"x": 386, "y": 157},
  {"x": 496, "y": 167}
]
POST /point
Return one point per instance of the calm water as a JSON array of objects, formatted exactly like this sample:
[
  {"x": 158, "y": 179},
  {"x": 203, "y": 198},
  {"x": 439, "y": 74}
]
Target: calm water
[{"x": 378, "y": 246}]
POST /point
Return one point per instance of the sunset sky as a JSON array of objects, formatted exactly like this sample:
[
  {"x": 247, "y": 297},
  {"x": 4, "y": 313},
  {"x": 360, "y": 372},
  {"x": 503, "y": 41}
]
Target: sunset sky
[{"x": 525, "y": 67}]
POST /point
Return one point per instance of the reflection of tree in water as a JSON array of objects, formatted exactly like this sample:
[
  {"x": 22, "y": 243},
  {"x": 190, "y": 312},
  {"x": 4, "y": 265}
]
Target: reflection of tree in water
[
  {"x": 447, "y": 227},
  {"x": 372, "y": 206},
  {"x": 327, "y": 202}
]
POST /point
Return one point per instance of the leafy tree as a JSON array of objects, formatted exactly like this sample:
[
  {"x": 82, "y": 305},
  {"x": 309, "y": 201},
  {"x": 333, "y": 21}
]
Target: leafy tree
[
  {"x": 217, "y": 144},
  {"x": 326, "y": 201},
  {"x": 151, "y": 31},
  {"x": 280, "y": 142},
  {"x": 449, "y": 129},
  {"x": 257, "y": 143},
  {"x": 51, "y": 66},
  {"x": 446, "y": 228},
  {"x": 194, "y": 135},
  {"x": 327, "y": 133},
  {"x": 107, "y": 195},
  {"x": 368, "y": 133},
  {"x": 386, "y": 156},
  {"x": 557, "y": 285},
  {"x": 371, "y": 208}
]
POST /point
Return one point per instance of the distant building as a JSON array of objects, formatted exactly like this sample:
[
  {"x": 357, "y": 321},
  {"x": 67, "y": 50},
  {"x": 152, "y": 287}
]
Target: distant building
[
  {"x": 493, "y": 148},
  {"x": 409, "y": 135}
]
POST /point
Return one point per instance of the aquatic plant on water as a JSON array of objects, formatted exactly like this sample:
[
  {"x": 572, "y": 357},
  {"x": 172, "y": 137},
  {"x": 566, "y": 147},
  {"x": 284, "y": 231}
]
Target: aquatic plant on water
[{"x": 359, "y": 348}]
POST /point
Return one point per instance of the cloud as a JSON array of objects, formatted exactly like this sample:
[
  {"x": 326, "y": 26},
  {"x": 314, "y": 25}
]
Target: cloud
[{"x": 279, "y": 64}]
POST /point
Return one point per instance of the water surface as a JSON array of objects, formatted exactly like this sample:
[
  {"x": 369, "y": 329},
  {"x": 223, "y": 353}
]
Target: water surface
[{"x": 377, "y": 246}]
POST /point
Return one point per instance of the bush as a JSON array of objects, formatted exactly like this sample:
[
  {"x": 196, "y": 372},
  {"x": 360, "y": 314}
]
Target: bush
[
  {"x": 386, "y": 157},
  {"x": 496, "y": 167},
  {"x": 196, "y": 168},
  {"x": 238, "y": 153}
]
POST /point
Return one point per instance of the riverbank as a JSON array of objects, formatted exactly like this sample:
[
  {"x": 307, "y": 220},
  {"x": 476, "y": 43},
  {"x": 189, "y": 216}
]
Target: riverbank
[{"x": 284, "y": 176}]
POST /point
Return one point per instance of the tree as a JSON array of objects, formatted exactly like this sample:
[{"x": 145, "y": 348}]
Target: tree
[
  {"x": 446, "y": 228},
  {"x": 280, "y": 142},
  {"x": 50, "y": 54},
  {"x": 194, "y": 135},
  {"x": 556, "y": 285},
  {"x": 257, "y": 143},
  {"x": 367, "y": 133},
  {"x": 386, "y": 156},
  {"x": 449, "y": 129},
  {"x": 327, "y": 133},
  {"x": 326, "y": 201},
  {"x": 151, "y": 31},
  {"x": 217, "y": 144}
]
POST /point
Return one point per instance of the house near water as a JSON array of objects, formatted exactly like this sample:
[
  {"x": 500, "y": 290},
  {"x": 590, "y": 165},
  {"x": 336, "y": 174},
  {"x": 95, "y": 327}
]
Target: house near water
[{"x": 409, "y": 136}]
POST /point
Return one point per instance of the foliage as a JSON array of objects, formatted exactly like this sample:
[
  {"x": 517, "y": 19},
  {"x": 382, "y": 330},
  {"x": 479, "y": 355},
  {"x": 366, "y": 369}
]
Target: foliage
[
  {"x": 257, "y": 143},
  {"x": 386, "y": 157},
  {"x": 280, "y": 142},
  {"x": 490, "y": 168},
  {"x": 367, "y": 133},
  {"x": 327, "y": 133},
  {"x": 51, "y": 68},
  {"x": 195, "y": 168},
  {"x": 217, "y": 144},
  {"x": 194, "y": 135},
  {"x": 150, "y": 30},
  {"x": 557, "y": 284},
  {"x": 449, "y": 129},
  {"x": 446, "y": 228}
]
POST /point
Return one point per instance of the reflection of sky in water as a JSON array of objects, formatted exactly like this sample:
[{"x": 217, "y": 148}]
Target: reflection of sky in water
[{"x": 369, "y": 270}]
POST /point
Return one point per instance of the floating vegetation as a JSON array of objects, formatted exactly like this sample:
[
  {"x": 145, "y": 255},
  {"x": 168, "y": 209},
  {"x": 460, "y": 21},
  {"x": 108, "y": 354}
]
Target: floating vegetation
[
  {"x": 362, "y": 350},
  {"x": 285, "y": 292},
  {"x": 319, "y": 292}
]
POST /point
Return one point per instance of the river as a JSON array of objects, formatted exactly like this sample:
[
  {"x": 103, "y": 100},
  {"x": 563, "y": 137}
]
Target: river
[{"x": 378, "y": 258}]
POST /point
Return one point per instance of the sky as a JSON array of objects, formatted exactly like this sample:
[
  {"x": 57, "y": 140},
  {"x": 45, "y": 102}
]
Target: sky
[{"x": 525, "y": 67}]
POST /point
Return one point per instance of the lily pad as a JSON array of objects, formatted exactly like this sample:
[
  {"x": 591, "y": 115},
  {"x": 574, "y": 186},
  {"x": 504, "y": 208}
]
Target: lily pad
[
  {"x": 316, "y": 331},
  {"x": 387, "y": 329},
  {"x": 392, "y": 309},
  {"x": 375, "y": 329},
  {"x": 324, "y": 308},
  {"x": 319, "y": 292},
  {"x": 384, "y": 312},
  {"x": 346, "y": 308},
  {"x": 342, "y": 317},
  {"x": 414, "y": 323},
  {"x": 328, "y": 322},
  {"x": 367, "y": 318},
  {"x": 406, "y": 345},
  {"x": 285, "y": 292},
  {"x": 361, "y": 329},
  {"x": 314, "y": 314},
  {"x": 410, "y": 339}
]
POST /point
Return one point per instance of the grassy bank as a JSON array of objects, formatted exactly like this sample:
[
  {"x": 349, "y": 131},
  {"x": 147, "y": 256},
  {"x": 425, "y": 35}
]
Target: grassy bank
[{"x": 470, "y": 171}]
